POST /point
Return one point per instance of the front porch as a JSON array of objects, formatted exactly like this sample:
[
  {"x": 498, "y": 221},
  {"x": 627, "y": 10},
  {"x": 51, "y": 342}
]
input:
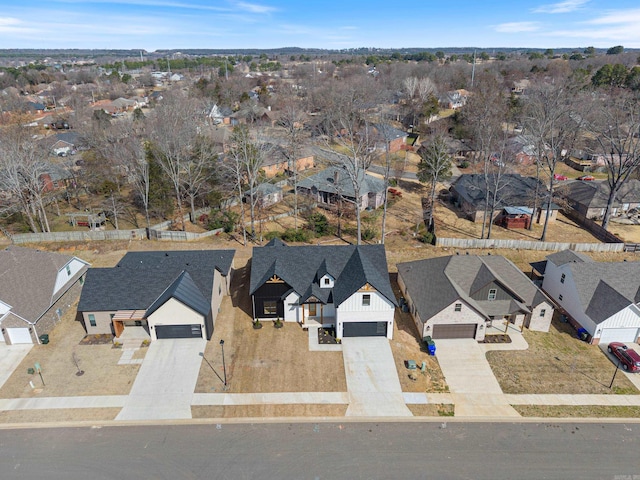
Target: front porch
[{"x": 130, "y": 325}]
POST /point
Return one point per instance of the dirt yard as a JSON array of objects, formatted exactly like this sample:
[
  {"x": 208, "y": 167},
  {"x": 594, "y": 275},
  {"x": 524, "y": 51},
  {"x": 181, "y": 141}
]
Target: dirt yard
[
  {"x": 102, "y": 375},
  {"x": 557, "y": 362},
  {"x": 266, "y": 360}
]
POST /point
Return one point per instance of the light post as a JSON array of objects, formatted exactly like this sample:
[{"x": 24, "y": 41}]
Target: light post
[
  {"x": 614, "y": 374},
  {"x": 224, "y": 367}
]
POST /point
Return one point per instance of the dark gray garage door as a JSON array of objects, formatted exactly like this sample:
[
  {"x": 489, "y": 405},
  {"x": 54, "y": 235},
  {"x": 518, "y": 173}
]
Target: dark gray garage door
[
  {"x": 461, "y": 330},
  {"x": 364, "y": 329},
  {"x": 178, "y": 331}
]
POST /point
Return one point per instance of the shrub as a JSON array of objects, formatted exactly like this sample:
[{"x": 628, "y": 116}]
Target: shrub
[
  {"x": 368, "y": 233},
  {"x": 427, "y": 237},
  {"x": 226, "y": 220},
  {"x": 464, "y": 164},
  {"x": 293, "y": 235},
  {"x": 318, "y": 223}
]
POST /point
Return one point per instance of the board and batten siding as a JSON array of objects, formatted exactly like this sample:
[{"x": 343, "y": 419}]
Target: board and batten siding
[
  {"x": 67, "y": 272},
  {"x": 173, "y": 312},
  {"x": 219, "y": 290},
  {"x": 449, "y": 316},
  {"x": 627, "y": 317},
  {"x": 352, "y": 310}
]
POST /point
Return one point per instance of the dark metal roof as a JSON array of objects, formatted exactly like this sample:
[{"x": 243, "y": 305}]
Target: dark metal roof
[{"x": 352, "y": 266}]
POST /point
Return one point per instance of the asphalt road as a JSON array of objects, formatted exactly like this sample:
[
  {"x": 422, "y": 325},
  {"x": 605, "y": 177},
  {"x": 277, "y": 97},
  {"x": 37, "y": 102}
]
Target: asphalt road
[{"x": 325, "y": 451}]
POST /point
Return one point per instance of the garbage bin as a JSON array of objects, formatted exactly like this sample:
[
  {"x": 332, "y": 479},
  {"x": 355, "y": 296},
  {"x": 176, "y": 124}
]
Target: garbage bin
[
  {"x": 44, "y": 338},
  {"x": 432, "y": 349}
]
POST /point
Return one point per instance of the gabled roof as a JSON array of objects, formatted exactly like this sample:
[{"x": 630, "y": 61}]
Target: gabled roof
[
  {"x": 567, "y": 256},
  {"x": 388, "y": 132},
  {"x": 514, "y": 190},
  {"x": 185, "y": 291},
  {"x": 604, "y": 288},
  {"x": 336, "y": 180},
  {"x": 352, "y": 267},
  {"x": 28, "y": 278},
  {"x": 436, "y": 283},
  {"x": 140, "y": 278},
  {"x": 596, "y": 194}
]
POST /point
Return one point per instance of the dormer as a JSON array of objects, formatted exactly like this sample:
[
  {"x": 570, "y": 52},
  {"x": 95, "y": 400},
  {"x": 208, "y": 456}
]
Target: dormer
[{"x": 327, "y": 281}]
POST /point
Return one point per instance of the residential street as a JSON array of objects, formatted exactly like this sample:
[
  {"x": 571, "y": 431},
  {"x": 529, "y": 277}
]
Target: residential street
[{"x": 325, "y": 451}]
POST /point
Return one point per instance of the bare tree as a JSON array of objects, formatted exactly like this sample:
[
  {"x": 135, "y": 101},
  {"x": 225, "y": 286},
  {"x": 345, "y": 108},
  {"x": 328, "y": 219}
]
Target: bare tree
[
  {"x": 292, "y": 121},
  {"x": 173, "y": 131},
  {"x": 351, "y": 134},
  {"x": 434, "y": 167},
  {"x": 21, "y": 171},
  {"x": 616, "y": 130},
  {"x": 248, "y": 155},
  {"x": 551, "y": 118}
]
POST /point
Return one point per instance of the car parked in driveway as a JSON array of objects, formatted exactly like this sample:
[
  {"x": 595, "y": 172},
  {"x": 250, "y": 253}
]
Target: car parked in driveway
[
  {"x": 559, "y": 176},
  {"x": 629, "y": 358}
]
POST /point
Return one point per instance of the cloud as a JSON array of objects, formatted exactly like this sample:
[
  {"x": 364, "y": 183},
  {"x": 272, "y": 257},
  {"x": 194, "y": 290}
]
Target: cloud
[
  {"x": 153, "y": 3},
  {"x": 517, "y": 27},
  {"x": 561, "y": 7},
  {"x": 255, "y": 8},
  {"x": 618, "y": 17}
]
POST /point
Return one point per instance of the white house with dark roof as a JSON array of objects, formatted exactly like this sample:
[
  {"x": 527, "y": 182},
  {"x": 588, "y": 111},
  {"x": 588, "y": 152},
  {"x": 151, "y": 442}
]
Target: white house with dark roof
[
  {"x": 156, "y": 295},
  {"x": 36, "y": 289},
  {"x": 341, "y": 286},
  {"x": 601, "y": 297},
  {"x": 458, "y": 296}
]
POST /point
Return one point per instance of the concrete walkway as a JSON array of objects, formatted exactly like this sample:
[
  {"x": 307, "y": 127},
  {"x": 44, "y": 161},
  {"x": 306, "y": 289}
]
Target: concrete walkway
[
  {"x": 372, "y": 379},
  {"x": 164, "y": 386},
  {"x": 10, "y": 357},
  {"x": 474, "y": 388}
]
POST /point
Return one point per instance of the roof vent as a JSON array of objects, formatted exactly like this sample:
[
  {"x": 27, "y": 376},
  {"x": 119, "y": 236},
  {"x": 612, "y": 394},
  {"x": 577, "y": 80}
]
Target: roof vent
[{"x": 166, "y": 254}]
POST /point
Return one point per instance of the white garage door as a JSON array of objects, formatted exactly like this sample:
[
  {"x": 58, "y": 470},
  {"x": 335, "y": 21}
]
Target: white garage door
[
  {"x": 619, "y": 335},
  {"x": 19, "y": 335}
]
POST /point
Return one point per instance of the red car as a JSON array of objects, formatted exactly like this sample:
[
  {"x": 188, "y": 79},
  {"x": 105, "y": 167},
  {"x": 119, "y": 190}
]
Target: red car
[
  {"x": 587, "y": 178},
  {"x": 629, "y": 359},
  {"x": 559, "y": 176}
]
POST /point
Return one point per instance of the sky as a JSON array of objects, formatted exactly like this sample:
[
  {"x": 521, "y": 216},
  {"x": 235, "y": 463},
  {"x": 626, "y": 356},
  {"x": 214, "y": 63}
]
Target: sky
[{"x": 330, "y": 24}]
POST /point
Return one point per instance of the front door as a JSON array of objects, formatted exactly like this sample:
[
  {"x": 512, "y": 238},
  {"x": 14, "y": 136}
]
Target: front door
[{"x": 312, "y": 310}]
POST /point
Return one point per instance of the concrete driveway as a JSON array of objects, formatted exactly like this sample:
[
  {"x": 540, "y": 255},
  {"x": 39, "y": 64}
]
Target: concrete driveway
[
  {"x": 633, "y": 377},
  {"x": 10, "y": 358},
  {"x": 372, "y": 379},
  {"x": 166, "y": 381},
  {"x": 475, "y": 390}
]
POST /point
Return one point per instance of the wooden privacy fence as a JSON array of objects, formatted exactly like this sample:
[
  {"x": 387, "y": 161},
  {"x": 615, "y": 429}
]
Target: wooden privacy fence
[
  {"x": 89, "y": 235},
  {"x": 528, "y": 245}
]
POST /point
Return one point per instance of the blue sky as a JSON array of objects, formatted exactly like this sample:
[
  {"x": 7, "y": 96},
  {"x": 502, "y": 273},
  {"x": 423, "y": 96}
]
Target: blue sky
[{"x": 176, "y": 24}]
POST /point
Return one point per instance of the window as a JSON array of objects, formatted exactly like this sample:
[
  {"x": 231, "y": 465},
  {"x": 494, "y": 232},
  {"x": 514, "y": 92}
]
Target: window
[
  {"x": 492, "y": 294},
  {"x": 560, "y": 297},
  {"x": 327, "y": 281},
  {"x": 270, "y": 307},
  {"x": 458, "y": 307},
  {"x": 366, "y": 300},
  {"x": 562, "y": 277},
  {"x": 92, "y": 320},
  {"x": 68, "y": 270},
  {"x": 81, "y": 280},
  {"x": 543, "y": 312}
]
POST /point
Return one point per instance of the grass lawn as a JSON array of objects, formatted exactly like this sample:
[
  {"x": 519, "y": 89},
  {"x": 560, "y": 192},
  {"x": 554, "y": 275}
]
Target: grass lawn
[
  {"x": 578, "y": 411},
  {"x": 557, "y": 362}
]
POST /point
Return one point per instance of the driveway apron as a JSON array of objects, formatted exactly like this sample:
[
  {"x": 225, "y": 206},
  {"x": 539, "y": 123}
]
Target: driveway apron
[
  {"x": 372, "y": 379},
  {"x": 10, "y": 357},
  {"x": 475, "y": 390},
  {"x": 164, "y": 386}
]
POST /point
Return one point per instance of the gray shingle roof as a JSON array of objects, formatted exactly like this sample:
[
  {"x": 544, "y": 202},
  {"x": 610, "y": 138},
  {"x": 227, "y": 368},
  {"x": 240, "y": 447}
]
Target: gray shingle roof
[
  {"x": 436, "y": 283},
  {"x": 605, "y": 288},
  {"x": 140, "y": 278},
  {"x": 567, "y": 256},
  {"x": 325, "y": 181},
  {"x": 28, "y": 278},
  {"x": 596, "y": 194},
  {"x": 515, "y": 190},
  {"x": 352, "y": 266}
]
